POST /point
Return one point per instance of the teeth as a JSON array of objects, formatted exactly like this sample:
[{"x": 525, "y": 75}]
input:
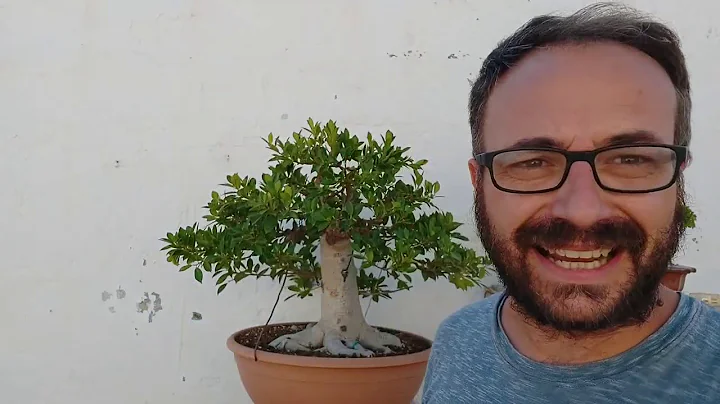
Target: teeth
[
  {"x": 585, "y": 254},
  {"x": 580, "y": 265},
  {"x": 602, "y": 252},
  {"x": 600, "y": 258}
]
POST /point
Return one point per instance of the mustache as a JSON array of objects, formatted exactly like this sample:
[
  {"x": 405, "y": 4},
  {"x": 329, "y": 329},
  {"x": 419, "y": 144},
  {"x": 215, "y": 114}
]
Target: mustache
[{"x": 557, "y": 233}]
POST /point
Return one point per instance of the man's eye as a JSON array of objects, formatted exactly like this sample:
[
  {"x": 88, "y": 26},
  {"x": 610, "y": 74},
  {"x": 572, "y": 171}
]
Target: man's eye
[
  {"x": 534, "y": 163},
  {"x": 630, "y": 160}
]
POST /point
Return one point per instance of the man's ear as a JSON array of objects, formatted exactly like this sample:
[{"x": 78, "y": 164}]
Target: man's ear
[
  {"x": 475, "y": 172},
  {"x": 686, "y": 163}
]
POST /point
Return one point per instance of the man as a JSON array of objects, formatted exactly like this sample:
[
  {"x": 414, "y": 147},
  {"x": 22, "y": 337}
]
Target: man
[{"x": 580, "y": 130}]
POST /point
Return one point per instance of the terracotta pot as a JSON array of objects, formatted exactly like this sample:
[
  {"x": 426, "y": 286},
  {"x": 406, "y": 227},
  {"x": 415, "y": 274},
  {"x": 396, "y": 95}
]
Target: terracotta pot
[
  {"x": 675, "y": 276},
  {"x": 280, "y": 379}
]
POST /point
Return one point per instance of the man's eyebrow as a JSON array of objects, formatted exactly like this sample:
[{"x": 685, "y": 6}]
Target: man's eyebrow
[
  {"x": 626, "y": 138},
  {"x": 538, "y": 142}
]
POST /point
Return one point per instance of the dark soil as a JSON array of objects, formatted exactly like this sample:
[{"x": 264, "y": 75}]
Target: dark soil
[{"x": 411, "y": 343}]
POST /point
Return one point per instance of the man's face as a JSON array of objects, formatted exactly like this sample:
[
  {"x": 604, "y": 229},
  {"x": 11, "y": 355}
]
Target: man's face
[{"x": 580, "y": 98}]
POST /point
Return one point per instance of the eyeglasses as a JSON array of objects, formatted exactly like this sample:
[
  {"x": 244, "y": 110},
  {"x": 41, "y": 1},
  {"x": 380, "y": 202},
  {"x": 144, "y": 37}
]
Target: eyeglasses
[{"x": 633, "y": 169}]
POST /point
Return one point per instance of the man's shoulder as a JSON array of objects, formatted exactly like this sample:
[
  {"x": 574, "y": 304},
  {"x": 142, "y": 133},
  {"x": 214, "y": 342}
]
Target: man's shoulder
[
  {"x": 696, "y": 351},
  {"x": 473, "y": 318},
  {"x": 697, "y": 342},
  {"x": 463, "y": 353},
  {"x": 707, "y": 322}
]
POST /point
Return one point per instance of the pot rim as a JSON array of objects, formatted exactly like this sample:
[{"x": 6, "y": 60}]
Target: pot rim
[
  {"x": 681, "y": 268},
  {"x": 324, "y": 362}
]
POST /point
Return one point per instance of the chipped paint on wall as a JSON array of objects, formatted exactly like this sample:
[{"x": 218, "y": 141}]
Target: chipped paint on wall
[
  {"x": 149, "y": 305},
  {"x": 157, "y": 302}
]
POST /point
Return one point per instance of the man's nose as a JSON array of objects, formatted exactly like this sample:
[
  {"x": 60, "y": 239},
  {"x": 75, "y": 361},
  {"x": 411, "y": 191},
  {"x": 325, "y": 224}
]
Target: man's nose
[{"x": 580, "y": 200}]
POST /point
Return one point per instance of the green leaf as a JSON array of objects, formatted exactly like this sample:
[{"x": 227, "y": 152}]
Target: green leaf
[
  {"x": 417, "y": 177},
  {"x": 198, "y": 275},
  {"x": 459, "y": 236},
  {"x": 222, "y": 278},
  {"x": 185, "y": 267},
  {"x": 269, "y": 224},
  {"x": 221, "y": 288},
  {"x": 369, "y": 255}
]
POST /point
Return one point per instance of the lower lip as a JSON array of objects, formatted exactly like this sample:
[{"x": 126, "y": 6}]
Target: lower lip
[{"x": 582, "y": 276}]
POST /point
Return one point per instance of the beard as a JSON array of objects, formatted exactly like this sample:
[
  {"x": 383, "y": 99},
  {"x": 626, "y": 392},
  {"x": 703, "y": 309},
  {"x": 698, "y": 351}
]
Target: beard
[{"x": 554, "y": 306}]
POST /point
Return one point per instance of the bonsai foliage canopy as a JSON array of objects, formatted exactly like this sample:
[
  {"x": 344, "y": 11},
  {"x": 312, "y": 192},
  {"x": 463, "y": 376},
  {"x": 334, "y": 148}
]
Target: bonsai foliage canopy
[
  {"x": 326, "y": 182},
  {"x": 689, "y": 217}
]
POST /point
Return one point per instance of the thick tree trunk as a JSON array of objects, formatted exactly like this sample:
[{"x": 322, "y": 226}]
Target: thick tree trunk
[
  {"x": 340, "y": 311},
  {"x": 342, "y": 329}
]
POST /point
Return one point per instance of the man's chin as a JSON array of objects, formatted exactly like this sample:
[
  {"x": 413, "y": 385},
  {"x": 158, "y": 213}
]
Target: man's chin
[
  {"x": 567, "y": 303},
  {"x": 569, "y": 307},
  {"x": 579, "y": 309}
]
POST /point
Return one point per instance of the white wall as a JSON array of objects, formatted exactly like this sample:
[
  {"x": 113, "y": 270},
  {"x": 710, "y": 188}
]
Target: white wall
[{"x": 119, "y": 118}]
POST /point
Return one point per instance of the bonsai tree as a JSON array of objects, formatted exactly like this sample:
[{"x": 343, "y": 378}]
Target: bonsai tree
[{"x": 330, "y": 199}]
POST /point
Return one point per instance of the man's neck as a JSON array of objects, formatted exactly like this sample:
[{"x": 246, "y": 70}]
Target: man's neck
[{"x": 535, "y": 344}]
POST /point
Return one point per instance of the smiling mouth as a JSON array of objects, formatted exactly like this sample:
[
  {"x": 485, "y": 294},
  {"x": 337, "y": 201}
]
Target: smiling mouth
[{"x": 579, "y": 259}]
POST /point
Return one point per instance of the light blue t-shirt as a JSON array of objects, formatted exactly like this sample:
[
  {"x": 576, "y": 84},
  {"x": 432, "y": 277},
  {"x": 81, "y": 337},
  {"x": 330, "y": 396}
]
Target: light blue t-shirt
[{"x": 472, "y": 361}]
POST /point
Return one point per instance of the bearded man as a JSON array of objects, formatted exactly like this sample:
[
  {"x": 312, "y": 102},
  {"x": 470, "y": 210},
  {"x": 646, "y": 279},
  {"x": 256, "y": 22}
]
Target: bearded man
[{"x": 580, "y": 133}]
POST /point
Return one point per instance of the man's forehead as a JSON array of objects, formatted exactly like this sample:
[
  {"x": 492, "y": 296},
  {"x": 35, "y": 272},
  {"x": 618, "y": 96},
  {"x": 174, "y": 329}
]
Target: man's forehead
[{"x": 581, "y": 97}]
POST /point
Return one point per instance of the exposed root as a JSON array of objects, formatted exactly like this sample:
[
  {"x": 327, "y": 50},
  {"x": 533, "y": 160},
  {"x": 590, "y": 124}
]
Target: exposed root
[
  {"x": 337, "y": 345},
  {"x": 378, "y": 340},
  {"x": 306, "y": 340},
  {"x": 370, "y": 342}
]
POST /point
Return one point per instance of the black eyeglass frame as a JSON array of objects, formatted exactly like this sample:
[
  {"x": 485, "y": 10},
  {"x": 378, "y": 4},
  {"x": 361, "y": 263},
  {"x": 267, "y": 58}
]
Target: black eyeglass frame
[{"x": 571, "y": 157}]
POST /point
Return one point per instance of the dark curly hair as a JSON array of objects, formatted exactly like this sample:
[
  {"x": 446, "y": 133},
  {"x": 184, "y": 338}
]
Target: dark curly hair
[{"x": 604, "y": 22}]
